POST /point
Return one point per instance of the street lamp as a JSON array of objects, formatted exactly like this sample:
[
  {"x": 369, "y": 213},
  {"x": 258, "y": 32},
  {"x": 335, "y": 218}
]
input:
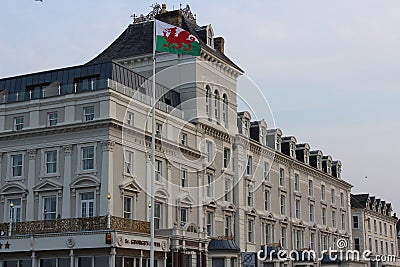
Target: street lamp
[
  {"x": 108, "y": 211},
  {"x": 11, "y": 218}
]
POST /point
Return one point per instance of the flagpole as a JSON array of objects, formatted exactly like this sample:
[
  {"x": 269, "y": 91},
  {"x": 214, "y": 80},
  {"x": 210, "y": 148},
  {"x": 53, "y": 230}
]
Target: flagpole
[{"x": 153, "y": 149}]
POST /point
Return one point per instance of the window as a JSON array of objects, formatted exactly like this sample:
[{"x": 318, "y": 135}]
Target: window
[
  {"x": 297, "y": 209},
  {"x": 278, "y": 143},
  {"x": 392, "y": 248},
  {"x": 299, "y": 239},
  {"x": 158, "y": 129},
  {"x": 184, "y": 138},
  {"x": 209, "y": 147},
  {"x": 246, "y": 128},
  {"x": 357, "y": 244},
  {"x": 157, "y": 215},
  {"x": 391, "y": 230},
  {"x": 334, "y": 219},
  {"x": 209, "y": 223},
  {"x": 375, "y": 227},
  {"x": 343, "y": 220},
  {"x": 228, "y": 190},
  {"x": 16, "y": 211},
  {"x": 266, "y": 171},
  {"x": 283, "y": 204},
  {"x": 216, "y": 105},
  {"x": 370, "y": 243},
  {"x": 49, "y": 208},
  {"x": 333, "y": 196},
  {"x": 380, "y": 227},
  {"x": 324, "y": 242},
  {"x": 184, "y": 215},
  {"x": 282, "y": 177},
  {"x": 306, "y": 156},
  {"x": 341, "y": 199},
  {"x": 324, "y": 216},
  {"x": 88, "y": 158},
  {"x": 292, "y": 150},
  {"x": 158, "y": 170},
  {"x": 250, "y": 194},
  {"x": 225, "y": 109},
  {"x": 227, "y": 157},
  {"x": 184, "y": 178},
  {"x": 310, "y": 188},
  {"x": 51, "y": 161},
  {"x": 385, "y": 229},
  {"x": 210, "y": 180},
  {"x": 18, "y": 123},
  {"x": 312, "y": 241},
  {"x": 382, "y": 247},
  {"x": 263, "y": 136},
  {"x": 267, "y": 201},
  {"x": 16, "y": 165},
  {"x": 129, "y": 157},
  {"x": 88, "y": 113},
  {"x": 376, "y": 246},
  {"x": 129, "y": 118},
  {"x": 128, "y": 207},
  {"x": 267, "y": 233},
  {"x": 208, "y": 101},
  {"x": 283, "y": 237},
  {"x": 228, "y": 226},
  {"x": 249, "y": 169},
  {"x": 369, "y": 224},
  {"x": 312, "y": 216},
  {"x": 250, "y": 231},
  {"x": 355, "y": 222},
  {"x": 87, "y": 204},
  {"x": 52, "y": 118},
  {"x": 296, "y": 182},
  {"x": 318, "y": 162}
]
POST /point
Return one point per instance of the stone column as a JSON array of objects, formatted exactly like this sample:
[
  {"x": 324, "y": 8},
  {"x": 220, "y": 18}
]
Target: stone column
[
  {"x": 34, "y": 259},
  {"x": 71, "y": 258},
  {"x": 141, "y": 259},
  {"x": 30, "y": 201},
  {"x": 67, "y": 178},
  {"x": 112, "y": 257},
  {"x": 107, "y": 178}
]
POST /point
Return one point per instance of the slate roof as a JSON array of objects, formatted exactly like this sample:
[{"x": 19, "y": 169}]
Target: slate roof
[
  {"x": 359, "y": 201},
  {"x": 137, "y": 40},
  {"x": 223, "y": 245}
]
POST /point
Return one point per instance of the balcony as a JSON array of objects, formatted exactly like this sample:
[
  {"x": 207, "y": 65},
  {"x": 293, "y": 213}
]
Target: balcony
[
  {"x": 72, "y": 225},
  {"x": 57, "y": 89}
]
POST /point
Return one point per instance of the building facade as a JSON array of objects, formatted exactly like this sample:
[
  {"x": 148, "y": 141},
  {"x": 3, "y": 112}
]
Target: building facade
[
  {"x": 374, "y": 227},
  {"x": 75, "y": 165}
]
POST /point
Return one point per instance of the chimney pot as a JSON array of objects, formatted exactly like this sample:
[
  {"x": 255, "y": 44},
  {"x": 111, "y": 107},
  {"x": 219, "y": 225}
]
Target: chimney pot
[{"x": 164, "y": 9}]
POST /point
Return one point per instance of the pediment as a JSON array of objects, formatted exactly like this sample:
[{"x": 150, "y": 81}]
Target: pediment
[
  {"x": 85, "y": 181},
  {"x": 186, "y": 200},
  {"x": 47, "y": 186},
  {"x": 13, "y": 188},
  {"x": 129, "y": 185},
  {"x": 161, "y": 193}
]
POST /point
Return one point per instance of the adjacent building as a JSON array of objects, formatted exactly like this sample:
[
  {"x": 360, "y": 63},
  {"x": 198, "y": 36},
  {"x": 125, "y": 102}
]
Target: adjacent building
[{"x": 374, "y": 227}]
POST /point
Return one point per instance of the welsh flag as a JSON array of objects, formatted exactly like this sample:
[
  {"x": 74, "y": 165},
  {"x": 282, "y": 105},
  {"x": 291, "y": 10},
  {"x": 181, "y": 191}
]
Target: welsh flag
[{"x": 175, "y": 40}]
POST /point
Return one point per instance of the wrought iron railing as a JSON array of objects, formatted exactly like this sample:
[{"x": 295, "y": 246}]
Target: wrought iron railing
[{"x": 74, "y": 225}]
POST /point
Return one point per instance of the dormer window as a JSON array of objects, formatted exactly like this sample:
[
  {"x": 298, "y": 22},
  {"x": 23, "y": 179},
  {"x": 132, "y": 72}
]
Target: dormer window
[
  {"x": 246, "y": 127},
  {"x": 210, "y": 36},
  {"x": 339, "y": 172},
  {"x": 263, "y": 136},
  {"x": 278, "y": 143},
  {"x": 292, "y": 150},
  {"x": 306, "y": 156},
  {"x": 319, "y": 163},
  {"x": 328, "y": 167}
]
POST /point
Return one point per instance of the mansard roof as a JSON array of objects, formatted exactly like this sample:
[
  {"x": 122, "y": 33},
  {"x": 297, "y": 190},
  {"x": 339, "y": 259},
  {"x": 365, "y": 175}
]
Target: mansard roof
[
  {"x": 137, "y": 40},
  {"x": 361, "y": 201}
]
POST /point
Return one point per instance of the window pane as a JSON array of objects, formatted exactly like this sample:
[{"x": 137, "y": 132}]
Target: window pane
[
  {"x": 48, "y": 262},
  {"x": 84, "y": 261},
  {"x": 101, "y": 261}
]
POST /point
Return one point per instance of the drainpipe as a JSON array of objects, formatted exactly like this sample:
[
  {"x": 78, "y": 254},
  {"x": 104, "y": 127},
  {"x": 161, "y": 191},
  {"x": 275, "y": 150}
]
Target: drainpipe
[{"x": 290, "y": 207}]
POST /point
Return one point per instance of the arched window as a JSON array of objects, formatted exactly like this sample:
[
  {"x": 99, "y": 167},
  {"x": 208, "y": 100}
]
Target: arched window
[
  {"x": 225, "y": 109},
  {"x": 208, "y": 101},
  {"x": 217, "y": 99}
]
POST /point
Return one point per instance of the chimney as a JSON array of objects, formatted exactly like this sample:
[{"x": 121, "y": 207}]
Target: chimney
[
  {"x": 164, "y": 9},
  {"x": 219, "y": 44}
]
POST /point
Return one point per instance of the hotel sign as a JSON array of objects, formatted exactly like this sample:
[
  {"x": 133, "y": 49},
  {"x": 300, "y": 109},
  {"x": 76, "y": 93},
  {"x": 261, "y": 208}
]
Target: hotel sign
[{"x": 134, "y": 242}]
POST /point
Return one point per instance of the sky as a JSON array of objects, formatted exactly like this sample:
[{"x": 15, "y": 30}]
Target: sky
[{"x": 329, "y": 70}]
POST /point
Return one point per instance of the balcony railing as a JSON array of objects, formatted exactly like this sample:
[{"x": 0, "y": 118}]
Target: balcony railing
[
  {"x": 66, "y": 89},
  {"x": 75, "y": 225}
]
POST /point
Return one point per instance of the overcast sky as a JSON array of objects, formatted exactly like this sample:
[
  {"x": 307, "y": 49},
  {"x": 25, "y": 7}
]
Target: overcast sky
[{"x": 330, "y": 70}]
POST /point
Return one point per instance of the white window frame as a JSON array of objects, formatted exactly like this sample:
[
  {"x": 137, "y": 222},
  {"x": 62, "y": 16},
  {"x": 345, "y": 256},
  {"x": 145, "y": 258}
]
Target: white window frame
[
  {"x": 282, "y": 203},
  {"x": 298, "y": 208},
  {"x": 16, "y": 208},
  {"x": 267, "y": 200},
  {"x": 296, "y": 182},
  {"x": 51, "y": 119},
  {"x": 228, "y": 190},
  {"x": 281, "y": 177},
  {"x": 209, "y": 185},
  {"x": 208, "y": 101},
  {"x": 249, "y": 167},
  {"x": 22, "y": 166},
  {"x": 310, "y": 188},
  {"x": 209, "y": 151},
  {"x": 334, "y": 221},
  {"x": 312, "y": 213},
  {"x": 228, "y": 225},
  {"x": 19, "y": 125},
  {"x": 342, "y": 199},
  {"x": 217, "y": 101},
  {"x": 129, "y": 159},
  {"x": 128, "y": 214},
  {"x": 227, "y": 157},
  {"x": 184, "y": 212},
  {"x": 88, "y": 202},
  {"x": 184, "y": 139},
  {"x": 225, "y": 108},
  {"x": 158, "y": 129},
  {"x": 158, "y": 206},
  {"x": 266, "y": 171},
  {"x": 88, "y": 113},
  {"x": 323, "y": 214},
  {"x": 184, "y": 178},
  {"x": 250, "y": 195},
  {"x": 158, "y": 170},
  {"x": 42, "y": 210},
  {"x": 130, "y": 118},
  {"x": 47, "y": 162},
  {"x": 323, "y": 192},
  {"x": 80, "y": 161},
  {"x": 333, "y": 196},
  {"x": 250, "y": 230},
  {"x": 210, "y": 223},
  {"x": 87, "y": 159}
]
